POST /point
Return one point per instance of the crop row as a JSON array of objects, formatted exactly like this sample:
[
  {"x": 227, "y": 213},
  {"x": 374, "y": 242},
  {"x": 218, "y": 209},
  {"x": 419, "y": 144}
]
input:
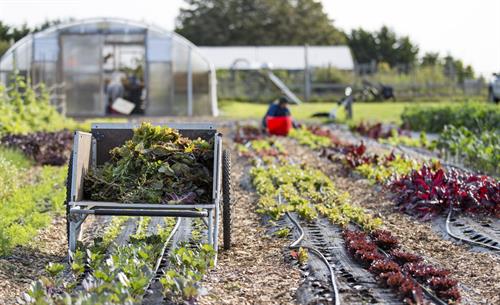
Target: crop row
[
  {"x": 28, "y": 199},
  {"x": 391, "y": 135},
  {"x": 398, "y": 269},
  {"x": 480, "y": 151},
  {"x": 45, "y": 148},
  {"x": 423, "y": 189},
  {"x": 120, "y": 274},
  {"x": 467, "y": 135},
  {"x": 309, "y": 192}
]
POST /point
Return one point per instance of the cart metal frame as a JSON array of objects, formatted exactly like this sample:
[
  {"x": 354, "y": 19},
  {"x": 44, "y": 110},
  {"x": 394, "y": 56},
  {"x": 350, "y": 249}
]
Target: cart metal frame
[{"x": 91, "y": 149}]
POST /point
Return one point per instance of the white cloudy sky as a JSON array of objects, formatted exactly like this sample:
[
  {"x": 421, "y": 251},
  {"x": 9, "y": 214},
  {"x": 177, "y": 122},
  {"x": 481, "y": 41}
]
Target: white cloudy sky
[{"x": 468, "y": 29}]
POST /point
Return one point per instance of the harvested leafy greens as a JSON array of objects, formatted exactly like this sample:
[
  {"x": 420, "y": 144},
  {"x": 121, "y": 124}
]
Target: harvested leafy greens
[{"x": 157, "y": 165}]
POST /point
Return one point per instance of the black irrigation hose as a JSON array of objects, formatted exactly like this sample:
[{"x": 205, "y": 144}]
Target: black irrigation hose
[
  {"x": 165, "y": 245},
  {"x": 470, "y": 241},
  {"x": 294, "y": 245},
  {"x": 448, "y": 218}
]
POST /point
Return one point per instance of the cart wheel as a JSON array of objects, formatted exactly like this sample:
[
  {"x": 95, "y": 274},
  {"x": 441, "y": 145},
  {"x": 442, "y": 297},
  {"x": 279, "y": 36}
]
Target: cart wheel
[
  {"x": 226, "y": 198},
  {"x": 68, "y": 192}
]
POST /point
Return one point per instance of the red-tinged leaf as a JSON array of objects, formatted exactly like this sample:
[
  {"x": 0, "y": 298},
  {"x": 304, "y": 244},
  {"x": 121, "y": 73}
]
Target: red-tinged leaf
[
  {"x": 438, "y": 178},
  {"x": 429, "y": 192},
  {"x": 424, "y": 196}
]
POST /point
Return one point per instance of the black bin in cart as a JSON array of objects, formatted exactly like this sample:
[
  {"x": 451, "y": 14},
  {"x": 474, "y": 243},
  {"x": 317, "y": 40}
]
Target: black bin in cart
[{"x": 92, "y": 149}]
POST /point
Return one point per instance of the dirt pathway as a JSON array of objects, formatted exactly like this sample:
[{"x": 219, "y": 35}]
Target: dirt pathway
[
  {"x": 26, "y": 264},
  {"x": 253, "y": 271}
]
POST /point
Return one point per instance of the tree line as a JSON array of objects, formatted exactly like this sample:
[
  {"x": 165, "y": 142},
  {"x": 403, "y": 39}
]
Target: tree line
[
  {"x": 299, "y": 22},
  {"x": 284, "y": 22},
  {"x": 10, "y": 34}
]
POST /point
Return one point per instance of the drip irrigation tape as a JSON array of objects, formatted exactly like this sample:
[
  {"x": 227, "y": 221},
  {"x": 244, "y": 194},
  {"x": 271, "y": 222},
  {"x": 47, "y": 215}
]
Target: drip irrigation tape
[{"x": 477, "y": 243}]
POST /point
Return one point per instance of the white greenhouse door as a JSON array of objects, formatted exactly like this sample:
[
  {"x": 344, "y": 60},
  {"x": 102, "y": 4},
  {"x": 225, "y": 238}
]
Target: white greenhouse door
[{"x": 81, "y": 70}]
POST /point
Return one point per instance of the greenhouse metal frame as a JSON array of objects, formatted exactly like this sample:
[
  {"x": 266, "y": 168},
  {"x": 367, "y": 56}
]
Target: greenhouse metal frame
[{"x": 173, "y": 77}]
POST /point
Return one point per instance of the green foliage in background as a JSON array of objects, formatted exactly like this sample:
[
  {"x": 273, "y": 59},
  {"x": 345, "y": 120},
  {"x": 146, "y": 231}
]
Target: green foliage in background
[
  {"x": 478, "y": 151},
  {"x": 24, "y": 110},
  {"x": 258, "y": 22},
  {"x": 382, "y": 46},
  {"x": 332, "y": 75},
  {"x": 419, "y": 77},
  {"x": 477, "y": 117},
  {"x": 10, "y": 34}
]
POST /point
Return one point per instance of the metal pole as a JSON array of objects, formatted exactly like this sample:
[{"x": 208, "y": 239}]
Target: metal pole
[
  {"x": 190, "y": 85},
  {"x": 349, "y": 107},
  {"x": 307, "y": 76}
]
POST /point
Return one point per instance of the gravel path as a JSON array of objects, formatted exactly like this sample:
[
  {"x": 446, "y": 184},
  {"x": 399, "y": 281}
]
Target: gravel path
[
  {"x": 253, "y": 271},
  {"x": 26, "y": 264},
  {"x": 479, "y": 272}
]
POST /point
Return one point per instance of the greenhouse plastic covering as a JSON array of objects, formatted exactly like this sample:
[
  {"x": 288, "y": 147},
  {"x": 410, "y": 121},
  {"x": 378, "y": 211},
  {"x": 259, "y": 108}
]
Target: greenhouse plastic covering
[{"x": 175, "y": 79}]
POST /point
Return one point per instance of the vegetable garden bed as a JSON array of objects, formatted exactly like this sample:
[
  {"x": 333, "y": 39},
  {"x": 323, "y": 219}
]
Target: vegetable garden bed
[{"x": 340, "y": 192}]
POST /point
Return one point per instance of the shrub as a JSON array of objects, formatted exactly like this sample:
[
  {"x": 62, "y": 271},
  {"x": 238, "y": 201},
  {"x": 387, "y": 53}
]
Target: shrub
[{"x": 477, "y": 117}]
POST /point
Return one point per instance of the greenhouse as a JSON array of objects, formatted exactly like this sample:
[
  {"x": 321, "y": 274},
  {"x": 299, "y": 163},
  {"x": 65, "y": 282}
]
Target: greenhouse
[{"x": 98, "y": 61}]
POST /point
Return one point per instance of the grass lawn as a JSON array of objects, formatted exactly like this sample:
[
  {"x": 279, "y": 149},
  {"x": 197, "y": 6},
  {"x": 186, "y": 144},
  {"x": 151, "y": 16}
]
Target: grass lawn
[{"x": 386, "y": 112}]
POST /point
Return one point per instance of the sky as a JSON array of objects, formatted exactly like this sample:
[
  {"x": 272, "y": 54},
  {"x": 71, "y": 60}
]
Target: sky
[{"x": 466, "y": 29}]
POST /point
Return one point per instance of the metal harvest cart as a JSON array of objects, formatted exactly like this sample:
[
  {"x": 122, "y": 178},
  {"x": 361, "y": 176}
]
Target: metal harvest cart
[{"x": 92, "y": 149}]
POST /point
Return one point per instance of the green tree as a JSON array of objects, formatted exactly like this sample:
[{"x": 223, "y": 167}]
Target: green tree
[
  {"x": 455, "y": 69},
  {"x": 363, "y": 45},
  {"x": 431, "y": 59},
  {"x": 406, "y": 52},
  {"x": 382, "y": 46},
  {"x": 257, "y": 22},
  {"x": 10, "y": 34}
]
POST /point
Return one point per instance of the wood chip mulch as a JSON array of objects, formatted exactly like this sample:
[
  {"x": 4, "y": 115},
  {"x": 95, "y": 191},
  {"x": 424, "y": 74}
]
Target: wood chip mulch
[
  {"x": 26, "y": 264},
  {"x": 253, "y": 271}
]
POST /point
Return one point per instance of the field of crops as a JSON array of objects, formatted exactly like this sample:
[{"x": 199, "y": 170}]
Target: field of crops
[{"x": 360, "y": 213}]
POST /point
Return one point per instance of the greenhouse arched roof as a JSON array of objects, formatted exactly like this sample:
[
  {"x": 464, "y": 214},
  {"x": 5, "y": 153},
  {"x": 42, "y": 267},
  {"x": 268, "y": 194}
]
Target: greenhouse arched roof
[{"x": 172, "y": 69}]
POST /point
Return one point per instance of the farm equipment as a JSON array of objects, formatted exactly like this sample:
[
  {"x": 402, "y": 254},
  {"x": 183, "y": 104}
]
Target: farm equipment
[
  {"x": 345, "y": 102},
  {"x": 92, "y": 149},
  {"x": 494, "y": 89}
]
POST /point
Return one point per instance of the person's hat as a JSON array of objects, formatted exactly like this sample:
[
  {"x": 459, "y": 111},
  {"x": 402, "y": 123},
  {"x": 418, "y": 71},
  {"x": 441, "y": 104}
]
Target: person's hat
[{"x": 283, "y": 100}]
